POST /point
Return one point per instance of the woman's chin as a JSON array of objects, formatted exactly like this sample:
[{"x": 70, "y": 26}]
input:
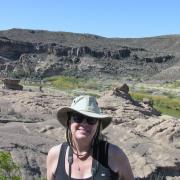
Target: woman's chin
[{"x": 82, "y": 134}]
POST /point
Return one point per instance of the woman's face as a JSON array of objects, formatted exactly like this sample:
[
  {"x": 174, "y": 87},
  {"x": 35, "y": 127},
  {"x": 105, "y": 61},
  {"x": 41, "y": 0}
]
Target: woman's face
[{"x": 83, "y": 127}]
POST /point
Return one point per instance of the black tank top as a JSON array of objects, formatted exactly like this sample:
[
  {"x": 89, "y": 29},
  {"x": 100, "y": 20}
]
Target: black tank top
[{"x": 103, "y": 171}]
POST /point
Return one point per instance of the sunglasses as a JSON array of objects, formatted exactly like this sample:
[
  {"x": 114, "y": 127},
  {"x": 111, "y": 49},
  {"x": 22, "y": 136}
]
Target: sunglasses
[{"x": 79, "y": 118}]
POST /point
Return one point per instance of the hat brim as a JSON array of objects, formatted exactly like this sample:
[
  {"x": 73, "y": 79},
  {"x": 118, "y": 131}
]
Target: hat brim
[{"x": 62, "y": 116}]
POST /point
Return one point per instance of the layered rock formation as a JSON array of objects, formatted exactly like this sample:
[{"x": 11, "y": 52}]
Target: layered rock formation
[
  {"x": 151, "y": 142},
  {"x": 42, "y": 53}
]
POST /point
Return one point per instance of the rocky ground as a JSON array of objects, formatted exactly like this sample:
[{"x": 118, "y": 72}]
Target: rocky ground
[{"x": 28, "y": 128}]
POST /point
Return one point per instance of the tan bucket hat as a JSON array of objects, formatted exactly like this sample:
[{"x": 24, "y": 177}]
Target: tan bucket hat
[{"x": 86, "y": 105}]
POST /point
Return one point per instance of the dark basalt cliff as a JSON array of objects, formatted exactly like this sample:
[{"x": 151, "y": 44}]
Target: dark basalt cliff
[{"x": 43, "y": 53}]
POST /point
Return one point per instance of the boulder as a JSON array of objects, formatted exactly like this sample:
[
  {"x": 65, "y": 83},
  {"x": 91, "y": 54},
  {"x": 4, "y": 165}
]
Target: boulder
[{"x": 12, "y": 84}]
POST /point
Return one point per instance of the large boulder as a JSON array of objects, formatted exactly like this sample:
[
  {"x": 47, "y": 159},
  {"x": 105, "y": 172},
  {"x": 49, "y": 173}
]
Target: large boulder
[{"x": 12, "y": 84}]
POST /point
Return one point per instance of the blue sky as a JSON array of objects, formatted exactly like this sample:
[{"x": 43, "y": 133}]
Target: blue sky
[{"x": 109, "y": 18}]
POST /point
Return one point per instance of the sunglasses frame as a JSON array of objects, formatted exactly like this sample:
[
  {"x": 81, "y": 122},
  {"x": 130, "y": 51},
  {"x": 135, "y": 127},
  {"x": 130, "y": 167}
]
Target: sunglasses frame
[{"x": 79, "y": 118}]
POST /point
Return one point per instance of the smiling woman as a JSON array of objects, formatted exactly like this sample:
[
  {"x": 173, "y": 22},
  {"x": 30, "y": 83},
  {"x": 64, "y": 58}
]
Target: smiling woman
[{"x": 86, "y": 155}]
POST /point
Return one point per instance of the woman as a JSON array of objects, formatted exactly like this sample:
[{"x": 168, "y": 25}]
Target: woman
[{"x": 85, "y": 155}]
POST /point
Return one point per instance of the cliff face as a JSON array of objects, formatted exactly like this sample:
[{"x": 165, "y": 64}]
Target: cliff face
[
  {"x": 13, "y": 49},
  {"x": 43, "y": 53}
]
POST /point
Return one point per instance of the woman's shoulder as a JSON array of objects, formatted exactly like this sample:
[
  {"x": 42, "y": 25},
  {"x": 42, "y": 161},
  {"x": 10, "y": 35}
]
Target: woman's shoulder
[
  {"x": 52, "y": 160},
  {"x": 116, "y": 151},
  {"x": 119, "y": 162},
  {"x": 113, "y": 150},
  {"x": 54, "y": 152},
  {"x": 55, "y": 148}
]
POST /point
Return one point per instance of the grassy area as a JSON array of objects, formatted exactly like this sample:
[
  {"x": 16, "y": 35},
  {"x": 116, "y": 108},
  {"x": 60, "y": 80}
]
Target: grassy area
[
  {"x": 64, "y": 82},
  {"x": 75, "y": 86},
  {"x": 71, "y": 83},
  {"x": 169, "y": 105},
  {"x": 175, "y": 84},
  {"x": 168, "y": 111}
]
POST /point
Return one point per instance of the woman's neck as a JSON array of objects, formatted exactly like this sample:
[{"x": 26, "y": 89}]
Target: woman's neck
[{"x": 81, "y": 148}]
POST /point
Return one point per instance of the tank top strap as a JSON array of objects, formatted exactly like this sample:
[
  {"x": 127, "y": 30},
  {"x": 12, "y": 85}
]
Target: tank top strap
[
  {"x": 103, "y": 153},
  {"x": 60, "y": 171}
]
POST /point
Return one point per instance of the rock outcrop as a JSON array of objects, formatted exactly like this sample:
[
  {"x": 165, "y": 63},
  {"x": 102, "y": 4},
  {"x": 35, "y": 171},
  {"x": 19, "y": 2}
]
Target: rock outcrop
[
  {"x": 12, "y": 84},
  {"x": 151, "y": 142},
  {"x": 28, "y": 128}
]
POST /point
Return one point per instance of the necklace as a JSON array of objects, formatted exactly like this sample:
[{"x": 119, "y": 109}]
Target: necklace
[
  {"x": 81, "y": 158},
  {"x": 79, "y": 169}
]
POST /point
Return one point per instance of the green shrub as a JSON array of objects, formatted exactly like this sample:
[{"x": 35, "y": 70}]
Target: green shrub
[
  {"x": 175, "y": 84},
  {"x": 8, "y": 169},
  {"x": 91, "y": 84},
  {"x": 69, "y": 82},
  {"x": 165, "y": 104},
  {"x": 64, "y": 82},
  {"x": 139, "y": 95}
]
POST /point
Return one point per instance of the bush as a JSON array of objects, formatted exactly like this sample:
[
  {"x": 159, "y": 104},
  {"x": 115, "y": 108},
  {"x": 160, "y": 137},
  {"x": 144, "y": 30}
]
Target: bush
[
  {"x": 165, "y": 104},
  {"x": 70, "y": 83},
  {"x": 64, "y": 82},
  {"x": 175, "y": 84},
  {"x": 8, "y": 169}
]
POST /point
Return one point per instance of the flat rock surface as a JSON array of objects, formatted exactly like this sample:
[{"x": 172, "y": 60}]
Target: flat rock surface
[{"x": 28, "y": 128}]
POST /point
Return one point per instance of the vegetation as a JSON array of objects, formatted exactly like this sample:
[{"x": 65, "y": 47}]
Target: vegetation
[
  {"x": 64, "y": 82},
  {"x": 8, "y": 169},
  {"x": 166, "y": 104},
  {"x": 71, "y": 83},
  {"x": 175, "y": 84}
]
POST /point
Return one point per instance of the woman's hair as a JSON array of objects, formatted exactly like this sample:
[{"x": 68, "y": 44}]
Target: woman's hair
[
  {"x": 97, "y": 137},
  {"x": 68, "y": 131}
]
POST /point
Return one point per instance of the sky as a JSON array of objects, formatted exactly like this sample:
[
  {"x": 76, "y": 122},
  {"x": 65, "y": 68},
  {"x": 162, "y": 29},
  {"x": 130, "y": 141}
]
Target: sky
[{"x": 108, "y": 18}]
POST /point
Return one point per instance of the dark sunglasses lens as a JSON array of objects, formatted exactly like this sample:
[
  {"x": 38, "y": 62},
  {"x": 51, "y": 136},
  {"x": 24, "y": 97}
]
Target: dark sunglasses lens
[
  {"x": 91, "y": 121},
  {"x": 77, "y": 118}
]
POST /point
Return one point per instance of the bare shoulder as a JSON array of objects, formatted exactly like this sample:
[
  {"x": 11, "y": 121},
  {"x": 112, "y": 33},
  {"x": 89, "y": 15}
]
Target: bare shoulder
[
  {"x": 116, "y": 157},
  {"x": 54, "y": 151},
  {"x": 118, "y": 162},
  {"x": 115, "y": 151},
  {"x": 52, "y": 161}
]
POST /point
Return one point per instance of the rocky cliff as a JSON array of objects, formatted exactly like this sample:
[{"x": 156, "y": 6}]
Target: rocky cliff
[{"x": 42, "y": 53}]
